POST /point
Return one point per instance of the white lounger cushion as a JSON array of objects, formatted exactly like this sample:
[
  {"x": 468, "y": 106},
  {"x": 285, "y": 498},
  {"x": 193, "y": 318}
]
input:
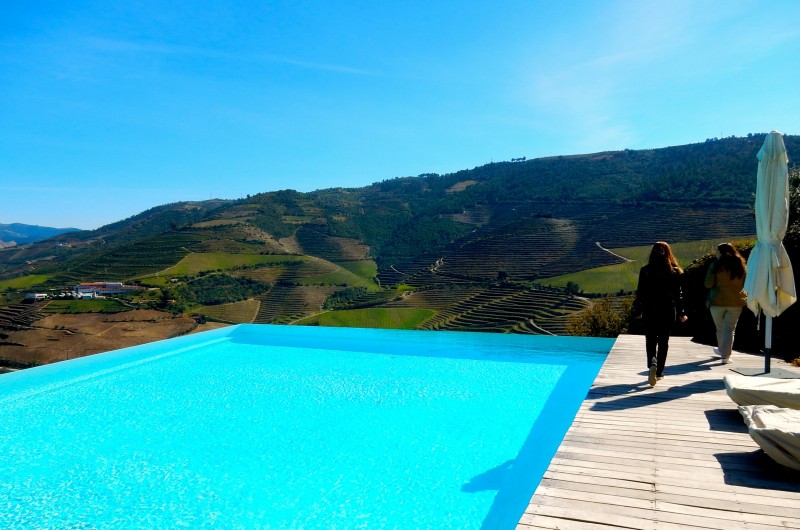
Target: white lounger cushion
[
  {"x": 776, "y": 431},
  {"x": 749, "y": 390}
]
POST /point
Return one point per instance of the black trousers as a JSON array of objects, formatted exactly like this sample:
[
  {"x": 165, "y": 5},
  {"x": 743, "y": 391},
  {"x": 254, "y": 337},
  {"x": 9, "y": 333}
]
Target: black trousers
[{"x": 657, "y": 328}]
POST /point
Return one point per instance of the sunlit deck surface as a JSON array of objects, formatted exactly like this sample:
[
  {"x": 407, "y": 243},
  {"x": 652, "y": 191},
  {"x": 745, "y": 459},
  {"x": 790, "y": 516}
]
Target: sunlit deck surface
[{"x": 674, "y": 456}]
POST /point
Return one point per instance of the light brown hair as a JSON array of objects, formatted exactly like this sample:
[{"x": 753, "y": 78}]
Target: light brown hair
[
  {"x": 730, "y": 260},
  {"x": 661, "y": 258}
]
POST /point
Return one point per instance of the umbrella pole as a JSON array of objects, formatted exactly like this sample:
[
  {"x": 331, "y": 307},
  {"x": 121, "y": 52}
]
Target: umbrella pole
[{"x": 767, "y": 344}]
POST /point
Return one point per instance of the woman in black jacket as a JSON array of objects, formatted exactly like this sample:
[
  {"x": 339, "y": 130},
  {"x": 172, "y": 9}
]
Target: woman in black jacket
[{"x": 658, "y": 300}]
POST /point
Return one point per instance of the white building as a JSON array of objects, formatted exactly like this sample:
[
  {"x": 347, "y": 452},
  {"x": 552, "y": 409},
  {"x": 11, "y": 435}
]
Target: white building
[
  {"x": 105, "y": 288},
  {"x": 36, "y": 296}
]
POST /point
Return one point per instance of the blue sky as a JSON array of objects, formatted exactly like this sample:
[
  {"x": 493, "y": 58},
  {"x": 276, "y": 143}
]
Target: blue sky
[{"x": 110, "y": 108}]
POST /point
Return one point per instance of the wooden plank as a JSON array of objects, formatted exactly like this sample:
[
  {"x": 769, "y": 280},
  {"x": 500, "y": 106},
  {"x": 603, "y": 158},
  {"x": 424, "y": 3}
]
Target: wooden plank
[
  {"x": 634, "y": 517},
  {"x": 596, "y": 487},
  {"x": 765, "y": 498},
  {"x": 673, "y": 456},
  {"x": 739, "y": 503},
  {"x": 556, "y": 523},
  {"x": 747, "y": 502},
  {"x": 725, "y": 510},
  {"x": 640, "y": 521},
  {"x": 613, "y": 480}
]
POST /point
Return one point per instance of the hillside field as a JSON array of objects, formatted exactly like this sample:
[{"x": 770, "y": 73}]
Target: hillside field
[
  {"x": 24, "y": 282},
  {"x": 84, "y": 306},
  {"x": 388, "y": 318},
  {"x": 234, "y": 313},
  {"x": 624, "y": 276},
  {"x": 353, "y": 274},
  {"x": 195, "y": 263},
  {"x": 58, "y": 337}
]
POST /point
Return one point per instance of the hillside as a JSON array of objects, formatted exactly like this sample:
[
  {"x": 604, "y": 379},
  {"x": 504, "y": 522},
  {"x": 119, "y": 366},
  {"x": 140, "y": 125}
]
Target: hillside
[
  {"x": 73, "y": 247},
  {"x": 15, "y": 234},
  {"x": 470, "y": 248}
]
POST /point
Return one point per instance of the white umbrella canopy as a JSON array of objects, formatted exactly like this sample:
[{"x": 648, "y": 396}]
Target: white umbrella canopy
[{"x": 770, "y": 280}]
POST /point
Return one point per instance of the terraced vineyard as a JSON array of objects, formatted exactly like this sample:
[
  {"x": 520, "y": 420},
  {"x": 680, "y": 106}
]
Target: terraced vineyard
[
  {"x": 527, "y": 242},
  {"x": 292, "y": 297},
  {"x": 267, "y": 273},
  {"x": 315, "y": 243},
  {"x": 231, "y": 236},
  {"x": 507, "y": 309},
  {"x": 233, "y": 313},
  {"x": 138, "y": 259},
  {"x": 630, "y": 227},
  {"x": 307, "y": 269},
  {"x": 429, "y": 277},
  {"x": 373, "y": 299},
  {"x": 532, "y": 248},
  {"x": 287, "y": 303},
  {"x": 19, "y": 316},
  {"x": 436, "y": 299},
  {"x": 402, "y": 272}
]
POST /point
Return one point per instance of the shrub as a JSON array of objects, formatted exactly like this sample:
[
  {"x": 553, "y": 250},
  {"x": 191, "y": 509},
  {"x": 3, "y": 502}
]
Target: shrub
[
  {"x": 214, "y": 289},
  {"x": 606, "y": 317},
  {"x": 344, "y": 298}
]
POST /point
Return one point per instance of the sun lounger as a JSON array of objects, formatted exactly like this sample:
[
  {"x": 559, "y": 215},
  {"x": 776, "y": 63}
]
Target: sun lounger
[
  {"x": 776, "y": 430},
  {"x": 748, "y": 390}
]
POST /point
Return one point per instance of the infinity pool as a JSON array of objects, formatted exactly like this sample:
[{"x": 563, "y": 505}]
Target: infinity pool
[{"x": 258, "y": 426}]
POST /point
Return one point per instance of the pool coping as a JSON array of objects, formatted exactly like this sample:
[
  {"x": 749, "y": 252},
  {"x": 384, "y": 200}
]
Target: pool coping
[{"x": 674, "y": 456}]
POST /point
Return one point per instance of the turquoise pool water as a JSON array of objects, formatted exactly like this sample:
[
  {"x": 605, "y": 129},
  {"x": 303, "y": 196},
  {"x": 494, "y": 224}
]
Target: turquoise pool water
[{"x": 291, "y": 427}]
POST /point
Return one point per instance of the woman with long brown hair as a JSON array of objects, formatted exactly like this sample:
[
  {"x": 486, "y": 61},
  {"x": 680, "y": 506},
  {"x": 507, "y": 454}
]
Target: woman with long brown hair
[
  {"x": 659, "y": 299},
  {"x": 726, "y": 298}
]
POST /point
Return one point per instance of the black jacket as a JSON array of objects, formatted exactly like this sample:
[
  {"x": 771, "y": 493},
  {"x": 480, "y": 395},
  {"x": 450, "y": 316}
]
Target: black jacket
[{"x": 659, "y": 293}]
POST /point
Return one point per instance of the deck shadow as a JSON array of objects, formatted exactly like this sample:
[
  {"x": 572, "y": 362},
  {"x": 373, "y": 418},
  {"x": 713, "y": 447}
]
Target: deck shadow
[
  {"x": 597, "y": 392},
  {"x": 754, "y": 469},
  {"x": 644, "y": 399},
  {"x": 725, "y": 420},
  {"x": 694, "y": 366},
  {"x": 685, "y": 368}
]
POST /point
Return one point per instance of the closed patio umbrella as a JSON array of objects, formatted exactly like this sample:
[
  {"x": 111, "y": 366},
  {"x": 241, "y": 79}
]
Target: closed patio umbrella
[{"x": 770, "y": 281}]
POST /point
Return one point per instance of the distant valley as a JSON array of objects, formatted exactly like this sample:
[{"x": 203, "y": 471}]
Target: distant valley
[{"x": 16, "y": 234}]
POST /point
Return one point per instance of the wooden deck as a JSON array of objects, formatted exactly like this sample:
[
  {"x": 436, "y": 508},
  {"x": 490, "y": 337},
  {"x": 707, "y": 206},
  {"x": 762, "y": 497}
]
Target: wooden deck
[{"x": 674, "y": 456}]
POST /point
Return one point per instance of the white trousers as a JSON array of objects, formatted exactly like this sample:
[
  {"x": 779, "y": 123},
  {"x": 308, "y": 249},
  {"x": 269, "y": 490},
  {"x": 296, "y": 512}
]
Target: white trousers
[{"x": 725, "y": 319}]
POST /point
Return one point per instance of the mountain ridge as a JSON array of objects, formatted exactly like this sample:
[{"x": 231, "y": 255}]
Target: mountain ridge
[
  {"x": 14, "y": 234},
  {"x": 472, "y": 250},
  {"x": 405, "y": 219}
]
